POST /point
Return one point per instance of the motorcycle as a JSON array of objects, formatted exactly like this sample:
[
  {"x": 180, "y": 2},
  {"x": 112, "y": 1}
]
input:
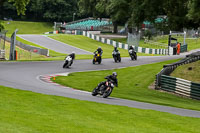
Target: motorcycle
[
  {"x": 97, "y": 58},
  {"x": 116, "y": 56},
  {"x": 132, "y": 54},
  {"x": 68, "y": 61},
  {"x": 104, "y": 90}
]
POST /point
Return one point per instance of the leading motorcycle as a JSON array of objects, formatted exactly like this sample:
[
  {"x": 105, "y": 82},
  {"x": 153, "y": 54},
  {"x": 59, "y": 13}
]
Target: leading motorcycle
[{"x": 68, "y": 61}]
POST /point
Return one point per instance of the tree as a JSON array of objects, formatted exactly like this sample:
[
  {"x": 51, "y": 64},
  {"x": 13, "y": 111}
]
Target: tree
[
  {"x": 88, "y": 7},
  {"x": 59, "y": 10},
  {"x": 52, "y": 10},
  {"x": 118, "y": 11},
  {"x": 20, "y": 5},
  {"x": 194, "y": 12}
]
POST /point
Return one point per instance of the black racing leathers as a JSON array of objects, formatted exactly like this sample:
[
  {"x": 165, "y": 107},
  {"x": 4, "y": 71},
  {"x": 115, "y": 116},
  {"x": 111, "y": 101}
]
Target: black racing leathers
[
  {"x": 99, "y": 50},
  {"x": 111, "y": 78}
]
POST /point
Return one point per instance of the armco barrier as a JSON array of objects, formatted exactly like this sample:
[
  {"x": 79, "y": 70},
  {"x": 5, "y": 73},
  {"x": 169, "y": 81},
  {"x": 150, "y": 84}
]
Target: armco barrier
[
  {"x": 31, "y": 48},
  {"x": 125, "y": 46},
  {"x": 180, "y": 86},
  {"x": 2, "y": 54},
  {"x": 177, "y": 85}
]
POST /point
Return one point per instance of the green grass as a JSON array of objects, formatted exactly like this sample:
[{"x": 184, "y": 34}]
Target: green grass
[
  {"x": 191, "y": 75},
  {"x": 24, "y": 55},
  {"x": 133, "y": 85},
  {"x": 28, "y": 112},
  {"x": 88, "y": 44},
  {"x": 25, "y": 27},
  {"x": 193, "y": 43},
  {"x": 141, "y": 44}
]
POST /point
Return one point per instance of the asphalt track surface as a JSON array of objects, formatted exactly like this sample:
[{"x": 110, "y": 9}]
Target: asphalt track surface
[
  {"x": 34, "y": 76},
  {"x": 52, "y": 44}
]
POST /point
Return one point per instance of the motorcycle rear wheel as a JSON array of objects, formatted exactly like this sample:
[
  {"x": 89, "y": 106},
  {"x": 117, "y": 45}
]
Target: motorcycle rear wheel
[
  {"x": 94, "y": 92},
  {"x": 64, "y": 65}
]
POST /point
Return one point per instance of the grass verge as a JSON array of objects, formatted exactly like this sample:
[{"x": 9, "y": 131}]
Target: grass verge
[
  {"x": 25, "y": 27},
  {"x": 25, "y": 111},
  {"x": 88, "y": 44},
  {"x": 133, "y": 85},
  {"x": 193, "y": 43},
  {"x": 189, "y": 72}
]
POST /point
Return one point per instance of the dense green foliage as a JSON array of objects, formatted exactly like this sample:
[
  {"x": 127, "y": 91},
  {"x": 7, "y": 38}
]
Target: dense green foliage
[
  {"x": 133, "y": 85},
  {"x": 177, "y": 14},
  {"x": 28, "y": 112},
  {"x": 39, "y": 10}
]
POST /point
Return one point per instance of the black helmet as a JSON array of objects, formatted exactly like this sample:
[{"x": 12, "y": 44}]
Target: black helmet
[{"x": 114, "y": 74}]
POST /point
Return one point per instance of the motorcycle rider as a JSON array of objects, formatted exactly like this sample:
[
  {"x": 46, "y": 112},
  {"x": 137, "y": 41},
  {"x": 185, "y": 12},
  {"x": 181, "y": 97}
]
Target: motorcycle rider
[
  {"x": 134, "y": 52},
  {"x": 112, "y": 78},
  {"x": 99, "y": 50},
  {"x": 115, "y": 49},
  {"x": 131, "y": 48},
  {"x": 72, "y": 55},
  {"x": 116, "y": 53}
]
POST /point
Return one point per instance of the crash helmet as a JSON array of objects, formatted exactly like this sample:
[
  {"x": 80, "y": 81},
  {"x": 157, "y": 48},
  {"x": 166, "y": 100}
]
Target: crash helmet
[
  {"x": 99, "y": 47},
  {"x": 114, "y": 74},
  {"x": 73, "y": 52}
]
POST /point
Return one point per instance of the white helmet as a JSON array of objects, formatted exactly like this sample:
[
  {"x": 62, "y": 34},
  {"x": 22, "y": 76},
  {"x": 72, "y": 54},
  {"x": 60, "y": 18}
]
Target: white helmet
[
  {"x": 114, "y": 74},
  {"x": 73, "y": 52}
]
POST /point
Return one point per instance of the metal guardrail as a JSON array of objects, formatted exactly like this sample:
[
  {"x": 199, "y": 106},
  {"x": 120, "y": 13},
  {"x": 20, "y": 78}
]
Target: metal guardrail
[
  {"x": 31, "y": 48},
  {"x": 177, "y": 85},
  {"x": 180, "y": 86}
]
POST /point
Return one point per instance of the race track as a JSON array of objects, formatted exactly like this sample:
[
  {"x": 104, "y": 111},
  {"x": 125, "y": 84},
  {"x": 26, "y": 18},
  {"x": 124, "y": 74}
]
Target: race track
[
  {"x": 33, "y": 76},
  {"x": 52, "y": 44}
]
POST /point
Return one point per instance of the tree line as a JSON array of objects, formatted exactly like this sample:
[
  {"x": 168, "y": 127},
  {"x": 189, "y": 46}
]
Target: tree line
[{"x": 177, "y": 14}]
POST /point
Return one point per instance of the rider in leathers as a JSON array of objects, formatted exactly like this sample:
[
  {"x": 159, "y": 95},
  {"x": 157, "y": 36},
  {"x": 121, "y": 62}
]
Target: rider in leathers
[
  {"x": 115, "y": 50},
  {"x": 112, "y": 78},
  {"x": 99, "y": 50},
  {"x": 72, "y": 55}
]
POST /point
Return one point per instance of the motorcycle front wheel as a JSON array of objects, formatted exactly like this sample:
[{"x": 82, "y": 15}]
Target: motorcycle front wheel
[{"x": 107, "y": 93}]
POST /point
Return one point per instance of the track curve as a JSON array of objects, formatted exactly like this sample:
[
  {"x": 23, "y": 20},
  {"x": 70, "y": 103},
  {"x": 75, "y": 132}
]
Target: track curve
[
  {"x": 52, "y": 44},
  {"x": 31, "y": 76}
]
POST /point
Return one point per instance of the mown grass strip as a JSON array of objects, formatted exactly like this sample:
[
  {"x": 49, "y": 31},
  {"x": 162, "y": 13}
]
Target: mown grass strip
[
  {"x": 25, "y": 111},
  {"x": 133, "y": 85},
  {"x": 88, "y": 44},
  {"x": 25, "y": 27},
  {"x": 189, "y": 72},
  {"x": 193, "y": 43}
]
